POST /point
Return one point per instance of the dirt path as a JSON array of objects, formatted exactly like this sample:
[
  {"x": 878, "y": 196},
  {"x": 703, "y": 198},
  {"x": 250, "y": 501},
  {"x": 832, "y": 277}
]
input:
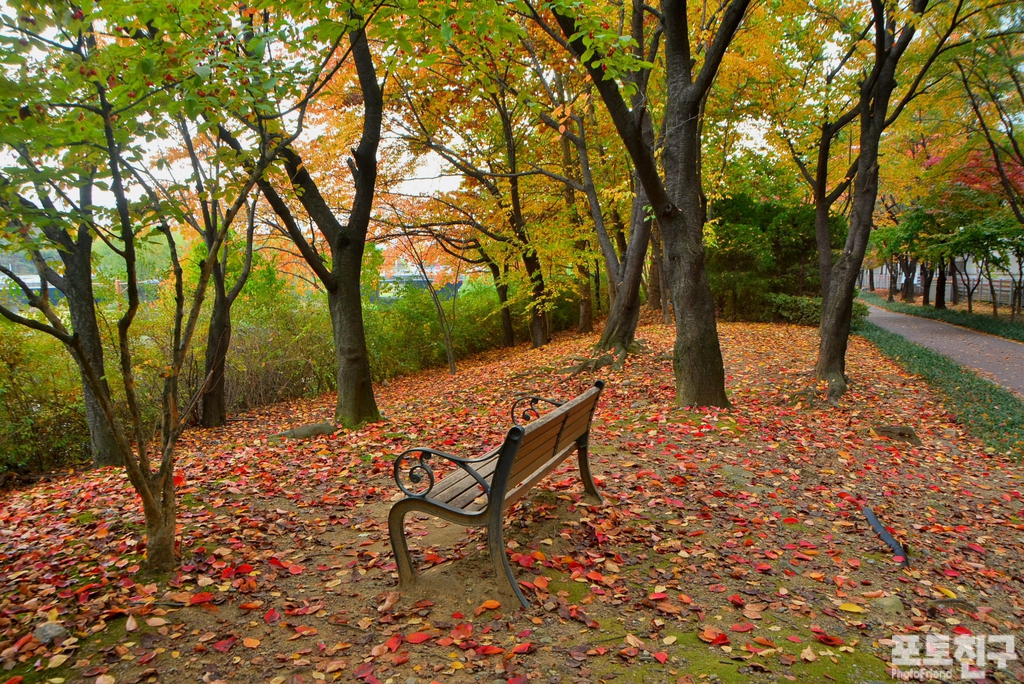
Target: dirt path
[{"x": 998, "y": 359}]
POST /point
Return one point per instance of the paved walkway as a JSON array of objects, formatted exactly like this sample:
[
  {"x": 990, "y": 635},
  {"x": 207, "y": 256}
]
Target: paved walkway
[{"x": 996, "y": 358}]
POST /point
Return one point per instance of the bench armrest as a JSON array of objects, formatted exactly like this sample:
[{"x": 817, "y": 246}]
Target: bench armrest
[
  {"x": 531, "y": 412},
  {"x": 418, "y": 469}
]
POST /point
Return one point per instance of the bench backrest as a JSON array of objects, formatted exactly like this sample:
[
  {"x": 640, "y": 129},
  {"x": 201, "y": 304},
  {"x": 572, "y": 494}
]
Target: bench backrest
[{"x": 553, "y": 434}]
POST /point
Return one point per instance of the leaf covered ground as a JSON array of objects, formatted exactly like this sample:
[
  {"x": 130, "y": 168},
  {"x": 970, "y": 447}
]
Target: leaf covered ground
[{"x": 731, "y": 546}]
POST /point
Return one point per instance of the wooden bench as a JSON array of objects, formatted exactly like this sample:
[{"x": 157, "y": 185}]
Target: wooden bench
[{"x": 480, "y": 490}]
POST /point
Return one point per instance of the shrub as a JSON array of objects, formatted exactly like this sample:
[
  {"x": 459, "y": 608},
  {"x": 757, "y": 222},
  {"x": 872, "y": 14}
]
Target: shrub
[
  {"x": 782, "y": 308},
  {"x": 42, "y": 418}
]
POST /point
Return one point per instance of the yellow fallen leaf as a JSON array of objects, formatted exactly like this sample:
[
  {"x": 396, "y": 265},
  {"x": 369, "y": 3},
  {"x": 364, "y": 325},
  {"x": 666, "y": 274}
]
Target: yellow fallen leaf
[
  {"x": 948, "y": 592},
  {"x": 56, "y": 661},
  {"x": 809, "y": 655},
  {"x": 669, "y": 640},
  {"x": 851, "y": 608},
  {"x": 156, "y": 622},
  {"x": 249, "y": 642},
  {"x": 105, "y": 679},
  {"x": 131, "y": 624}
]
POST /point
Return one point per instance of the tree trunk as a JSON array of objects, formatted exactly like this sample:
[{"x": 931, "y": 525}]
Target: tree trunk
[
  {"x": 892, "y": 279},
  {"x": 837, "y": 313},
  {"x": 823, "y": 239},
  {"x": 909, "y": 267},
  {"x": 356, "y": 404},
  {"x": 871, "y": 280},
  {"x": 586, "y": 303},
  {"x": 82, "y": 309},
  {"x": 697, "y": 358},
  {"x": 992, "y": 292},
  {"x": 218, "y": 340},
  {"x": 940, "y": 286},
  {"x": 538, "y": 323},
  {"x": 654, "y": 280},
  {"x": 161, "y": 556},
  {"x": 624, "y": 313},
  {"x": 926, "y": 281},
  {"x": 508, "y": 330}
]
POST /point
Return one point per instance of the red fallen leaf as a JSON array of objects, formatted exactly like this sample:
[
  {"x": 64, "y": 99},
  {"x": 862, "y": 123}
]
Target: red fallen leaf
[
  {"x": 525, "y": 561},
  {"x": 305, "y": 630},
  {"x": 489, "y": 649},
  {"x": 683, "y": 598},
  {"x": 225, "y": 645},
  {"x": 243, "y": 568},
  {"x": 795, "y": 639},
  {"x": 541, "y": 582},
  {"x": 248, "y": 606},
  {"x": 417, "y": 637},
  {"x": 717, "y": 588},
  {"x": 271, "y": 616},
  {"x": 202, "y": 597},
  {"x": 363, "y": 671},
  {"x": 146, "y": 658},
  {"x": 977, "y": 549},
  {"x": 179, "y": 480},
  {"x": 463, "y": 631},
  {"x": 960, "y": 629},
  {"x": 394, "y": 642},
  {"x": 660, "y": 656},
  {"x": 853, "y": 562},
  {"x": 296, "y": 569},
  {"x": 742, "y": 627},
  {"x": 595, "y": 576},
  {"x": 947, "y": 573},
  {"x": 737, "y": 600},
  {"x": 828, "y": 640},
  {"x": 657, "y": 596},
  {"x": 524, "y": 647},
  {"x": 518, "y": 679},
  {"x": 444, "y": 642},
  {"x": 763, "y": 567},
  {"x": 790, "y": 521},
  {"x": 18, "y": 679}
]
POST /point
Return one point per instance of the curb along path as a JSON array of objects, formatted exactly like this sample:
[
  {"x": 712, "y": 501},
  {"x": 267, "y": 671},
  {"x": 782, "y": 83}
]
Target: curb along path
[{"x": 995, "y": 358}]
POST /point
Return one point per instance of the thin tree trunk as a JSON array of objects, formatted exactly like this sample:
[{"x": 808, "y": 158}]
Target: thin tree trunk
[
  {"x": 871, "y": 280},
  {"x": 926, "y": 280},
  {"x": 586, "y": 304},
  {"x": 597, "y": 285},
  {"x": 654, "y": 280},
  {"x": 624, "y": 313},
  {"x": 77, "y": 282},
  {"x": 940, "y": 286},
  {"x": 218, "y": 341}
]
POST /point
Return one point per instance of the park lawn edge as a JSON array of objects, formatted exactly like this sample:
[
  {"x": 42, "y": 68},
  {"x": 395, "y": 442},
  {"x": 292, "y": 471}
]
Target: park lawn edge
[
  {"x": 980, "y": 322},
  {"x": 992, "y": 414}
]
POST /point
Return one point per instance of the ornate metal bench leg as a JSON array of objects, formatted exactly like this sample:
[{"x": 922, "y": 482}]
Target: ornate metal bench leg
[
  {"x": 583, "y": 452},
  {"x": 399, "y": 545},
  {"x": 496, "y": 547}
]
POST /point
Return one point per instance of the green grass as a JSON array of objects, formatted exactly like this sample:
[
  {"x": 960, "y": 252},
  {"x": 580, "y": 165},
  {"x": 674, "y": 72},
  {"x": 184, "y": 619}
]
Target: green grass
[
  {"x": 981, "y": 322},
  {"x": 991, "y": 413}
]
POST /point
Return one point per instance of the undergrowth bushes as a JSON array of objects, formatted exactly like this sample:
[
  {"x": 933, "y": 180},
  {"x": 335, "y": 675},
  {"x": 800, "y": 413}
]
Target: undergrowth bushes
[
  {"x": 783, "y": 308},
  {"x": 281, "y": 348}
]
